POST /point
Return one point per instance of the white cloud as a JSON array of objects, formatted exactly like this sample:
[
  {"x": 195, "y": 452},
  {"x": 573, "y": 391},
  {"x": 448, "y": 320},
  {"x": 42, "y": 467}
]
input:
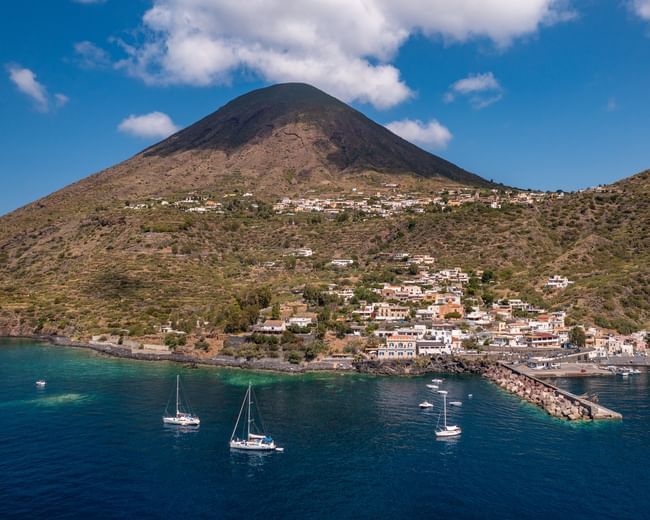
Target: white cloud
[
  {"x": 482, "y": 90},
  {"x": 342, "y": 46},
  {"x": 642, "y": 8},
  {"x": 431, "y": 134},
  {"x": 26, "y": 82},
  {"x": 61, "y": 99},
  {"x": 152, "y": 125},
  {"x": 90, "y": 56}
]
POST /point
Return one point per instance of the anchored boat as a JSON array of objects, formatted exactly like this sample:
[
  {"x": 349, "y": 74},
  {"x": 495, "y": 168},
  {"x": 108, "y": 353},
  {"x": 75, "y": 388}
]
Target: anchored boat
[
  {"x": 446, "y": 430},
  {"x": 181, "y": 417},
  {"x": 253, "y": 437}
]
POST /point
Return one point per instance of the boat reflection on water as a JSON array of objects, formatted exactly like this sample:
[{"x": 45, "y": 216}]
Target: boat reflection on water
[{"x": 250, "y": 459}]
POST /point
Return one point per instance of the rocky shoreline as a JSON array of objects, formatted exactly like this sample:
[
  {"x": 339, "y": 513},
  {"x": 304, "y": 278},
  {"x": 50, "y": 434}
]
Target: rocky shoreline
[
  {"x": 410, "y": 367},
  {"x": 422, "y": 366}
]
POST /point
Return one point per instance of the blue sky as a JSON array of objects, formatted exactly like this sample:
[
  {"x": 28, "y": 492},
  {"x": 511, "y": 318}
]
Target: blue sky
[{"x": 550, "y": 95}]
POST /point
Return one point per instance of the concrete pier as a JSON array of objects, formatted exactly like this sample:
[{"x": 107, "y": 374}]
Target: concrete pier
[{"x": 555, "y": 401}]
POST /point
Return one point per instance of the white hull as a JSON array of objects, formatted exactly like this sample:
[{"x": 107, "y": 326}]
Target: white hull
[
  {"x": 426, "y": 404},
  {"x": 182, "y": 421},
  {"x": 448, "y": 433},
  {"x": 252, "y": 446}
]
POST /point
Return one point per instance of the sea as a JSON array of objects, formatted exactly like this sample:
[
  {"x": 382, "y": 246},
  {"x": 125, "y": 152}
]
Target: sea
[{"x": 91, "y": 444}]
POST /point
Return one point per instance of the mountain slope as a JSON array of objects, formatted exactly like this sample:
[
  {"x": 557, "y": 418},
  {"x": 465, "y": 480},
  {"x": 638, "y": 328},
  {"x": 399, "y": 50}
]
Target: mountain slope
[{"x": 81, "y": 262}]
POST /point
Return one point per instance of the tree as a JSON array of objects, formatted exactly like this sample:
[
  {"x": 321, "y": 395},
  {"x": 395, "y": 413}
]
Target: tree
[
  {"x": 487, "y": 277},
  {"x": 488, "y": 298},
  {"x": 470, "y": 344},
  {"x": 275, "y": 311},
  {"x": 578, "y": 337}
]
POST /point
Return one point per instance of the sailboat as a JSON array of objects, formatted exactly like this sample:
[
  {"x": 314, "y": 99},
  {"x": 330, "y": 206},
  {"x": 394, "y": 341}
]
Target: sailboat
[
  {"x": 180, "y": 418},
  {"x": 252, "y": 438},
  {"x": 446, "y": 430}
]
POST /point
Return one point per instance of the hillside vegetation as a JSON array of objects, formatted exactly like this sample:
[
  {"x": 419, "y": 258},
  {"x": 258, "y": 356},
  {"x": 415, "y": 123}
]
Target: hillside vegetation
[{"x": 80, "y": 261}]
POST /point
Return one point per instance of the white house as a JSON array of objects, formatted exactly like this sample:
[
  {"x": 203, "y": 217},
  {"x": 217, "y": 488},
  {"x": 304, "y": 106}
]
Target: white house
[
  {"x": 558, "y": 282},
  {"x": 271, "y": 327},
  {"x": 300, "y": 321},
  {"x": 428, "y": 347},
  {"x": 398, "y": 347},
  {"x": 341, "y": 262}
]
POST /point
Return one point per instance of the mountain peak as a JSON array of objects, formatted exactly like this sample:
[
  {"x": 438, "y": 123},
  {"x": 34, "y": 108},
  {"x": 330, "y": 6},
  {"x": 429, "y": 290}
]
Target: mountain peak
[{"x": 326, "y": 131}]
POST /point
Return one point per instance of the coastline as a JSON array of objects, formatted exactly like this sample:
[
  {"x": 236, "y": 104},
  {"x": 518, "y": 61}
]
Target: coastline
[{"x": 414, "y": 367}]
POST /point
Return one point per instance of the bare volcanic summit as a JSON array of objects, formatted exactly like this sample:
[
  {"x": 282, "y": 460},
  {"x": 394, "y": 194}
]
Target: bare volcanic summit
[
  {"x": 297, "y": 127},
  {"x": 275, "y": 141}
]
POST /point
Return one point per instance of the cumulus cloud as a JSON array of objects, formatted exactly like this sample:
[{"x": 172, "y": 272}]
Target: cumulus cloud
[
  {"x": 26, "y": 82},
  {"x": 89, "y": 56},
  {"x": 152, "y": 125},
  {"x": 482, "y": 90},
  {"x": 431, "y": 134},
  {"x": 642, "y": 8},
  {"x": 342, "y": 46}
]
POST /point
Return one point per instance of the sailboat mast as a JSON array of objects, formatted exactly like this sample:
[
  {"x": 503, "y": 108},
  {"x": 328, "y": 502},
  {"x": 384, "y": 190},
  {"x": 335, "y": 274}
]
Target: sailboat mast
[
  {"x": 248, "y": 433},
  {"x": 241, "y": 410},
  {"x": 444, "y": 399},
  {"x": 177, "y": 385}
]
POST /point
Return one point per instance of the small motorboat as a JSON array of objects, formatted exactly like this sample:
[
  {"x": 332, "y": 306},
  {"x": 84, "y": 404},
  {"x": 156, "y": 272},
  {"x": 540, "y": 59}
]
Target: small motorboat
[
  {"x": 455, "y": 403},
  {"x": 426, "y": 404},
  {"x": 41, "y": 383},
  {"x": 437, "y": 381},
  {"x": 433, "y": 387},
  {"x": 469, "y": 396}
]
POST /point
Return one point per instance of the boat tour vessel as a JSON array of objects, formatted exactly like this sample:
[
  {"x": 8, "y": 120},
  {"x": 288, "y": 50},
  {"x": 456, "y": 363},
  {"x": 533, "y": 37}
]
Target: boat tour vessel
[
  {"x": 183, "y": 415},
  {"x": 252, "y": 437}
]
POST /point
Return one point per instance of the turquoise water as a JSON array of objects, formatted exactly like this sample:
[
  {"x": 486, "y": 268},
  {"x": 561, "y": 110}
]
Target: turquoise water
[{"x": 92, "y": 444}]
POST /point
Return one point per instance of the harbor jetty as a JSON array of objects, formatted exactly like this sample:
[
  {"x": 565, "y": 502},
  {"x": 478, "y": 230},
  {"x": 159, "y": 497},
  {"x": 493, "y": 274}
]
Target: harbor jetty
[{"x": 555, "y": 401}]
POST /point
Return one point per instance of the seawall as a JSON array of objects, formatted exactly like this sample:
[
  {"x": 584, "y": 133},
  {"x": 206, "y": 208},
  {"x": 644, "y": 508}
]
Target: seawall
[{"x": 555, "y": 401}]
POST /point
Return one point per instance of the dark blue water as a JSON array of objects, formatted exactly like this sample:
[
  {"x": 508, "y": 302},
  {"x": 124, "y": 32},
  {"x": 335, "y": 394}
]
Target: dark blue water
[{"x": 92, "y": 444}]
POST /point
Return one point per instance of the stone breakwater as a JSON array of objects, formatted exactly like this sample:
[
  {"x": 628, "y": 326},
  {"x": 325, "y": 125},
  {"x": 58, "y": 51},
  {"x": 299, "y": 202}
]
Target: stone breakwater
[{"x": 554, "y": 401}]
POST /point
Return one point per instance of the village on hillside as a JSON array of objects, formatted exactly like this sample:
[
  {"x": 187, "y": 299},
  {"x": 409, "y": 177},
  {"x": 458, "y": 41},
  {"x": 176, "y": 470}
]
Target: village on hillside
[
  {"x": 428, "y": 312},
  {"x": 389, "y": 201}
]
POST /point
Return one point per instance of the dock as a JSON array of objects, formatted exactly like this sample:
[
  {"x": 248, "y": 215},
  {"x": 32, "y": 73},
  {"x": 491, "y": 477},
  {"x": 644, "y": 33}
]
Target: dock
[{"x": 555, "y": 401}]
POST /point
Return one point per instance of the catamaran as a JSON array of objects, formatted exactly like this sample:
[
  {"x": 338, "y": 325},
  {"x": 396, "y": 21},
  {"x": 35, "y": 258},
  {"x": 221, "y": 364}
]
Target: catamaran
[
  {"x": 446, "y": 430},
  {"x": 181, "y": 417},
  {"x": 252, "y": 438}
]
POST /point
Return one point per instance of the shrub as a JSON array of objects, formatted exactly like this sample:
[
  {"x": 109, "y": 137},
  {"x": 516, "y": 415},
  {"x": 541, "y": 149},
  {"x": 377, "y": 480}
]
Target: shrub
[{"x": 294, "y": 357}]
